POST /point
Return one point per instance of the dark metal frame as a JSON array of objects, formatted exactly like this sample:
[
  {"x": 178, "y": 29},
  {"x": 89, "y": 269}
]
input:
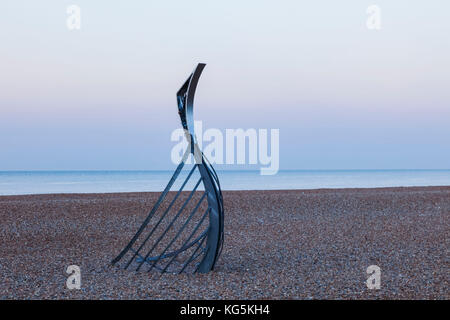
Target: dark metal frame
[{"x": 208, "y": 245}]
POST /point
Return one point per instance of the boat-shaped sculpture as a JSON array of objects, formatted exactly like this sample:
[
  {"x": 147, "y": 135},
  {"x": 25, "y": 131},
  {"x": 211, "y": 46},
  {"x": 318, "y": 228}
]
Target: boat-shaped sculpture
[{"x": 184, "y": 230}]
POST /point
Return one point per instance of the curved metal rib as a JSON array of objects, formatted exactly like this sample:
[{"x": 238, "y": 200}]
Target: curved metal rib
[
  {"x": 185, "y": 99},
  {"x": 208, "y": 237}
]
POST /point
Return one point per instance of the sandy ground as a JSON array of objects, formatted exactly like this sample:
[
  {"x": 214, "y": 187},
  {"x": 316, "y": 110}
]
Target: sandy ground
[{"x": 299, "y": 244}]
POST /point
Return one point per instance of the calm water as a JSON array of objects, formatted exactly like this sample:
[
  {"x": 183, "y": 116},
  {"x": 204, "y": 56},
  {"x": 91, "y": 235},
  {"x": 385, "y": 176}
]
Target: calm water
[{"x": 32, "y": 182}]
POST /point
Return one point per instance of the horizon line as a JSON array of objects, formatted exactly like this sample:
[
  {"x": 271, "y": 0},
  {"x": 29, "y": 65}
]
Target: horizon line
[{"x": 219, "y": 170}]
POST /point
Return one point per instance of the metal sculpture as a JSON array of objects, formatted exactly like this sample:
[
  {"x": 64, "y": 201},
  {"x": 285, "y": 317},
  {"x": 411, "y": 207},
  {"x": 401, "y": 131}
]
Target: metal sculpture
[{"x": 174, "y": 237}]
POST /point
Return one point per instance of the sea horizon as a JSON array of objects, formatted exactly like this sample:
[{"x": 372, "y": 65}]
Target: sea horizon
[{"x": 22, "y": 182}]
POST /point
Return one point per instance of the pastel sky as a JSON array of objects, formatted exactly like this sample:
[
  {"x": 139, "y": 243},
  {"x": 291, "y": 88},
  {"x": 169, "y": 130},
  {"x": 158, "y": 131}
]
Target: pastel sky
[{"x": 342, "y": 96}]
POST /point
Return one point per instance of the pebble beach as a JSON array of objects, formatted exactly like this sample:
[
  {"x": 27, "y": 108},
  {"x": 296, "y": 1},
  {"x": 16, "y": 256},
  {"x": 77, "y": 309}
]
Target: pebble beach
[{"x": 284, "y": 244}]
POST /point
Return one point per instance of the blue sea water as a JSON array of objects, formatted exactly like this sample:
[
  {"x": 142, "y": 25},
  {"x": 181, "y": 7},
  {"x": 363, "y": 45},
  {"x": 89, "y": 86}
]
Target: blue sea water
[{"x": 39, "y": 182}]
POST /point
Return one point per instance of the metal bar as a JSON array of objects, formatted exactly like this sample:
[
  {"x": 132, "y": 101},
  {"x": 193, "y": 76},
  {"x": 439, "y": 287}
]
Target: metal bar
[
  {"x": 162, "y": 216},
  {"x": 172, "y": 222},
  {"x": 155, "y": 207},
  {"x": 198, "y": 255},
  {"x": 139, "y": 258},
  {"x": 188, "y": 239},
  {"x": 204, "y": 250},
  {"x": 176, "y": 252},
  {"x": 193, "y": 212},
  {"x": 191, "y": 257}
]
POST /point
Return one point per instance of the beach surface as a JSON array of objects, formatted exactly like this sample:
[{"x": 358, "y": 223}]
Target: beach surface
[{"x": 293, "y": 244}]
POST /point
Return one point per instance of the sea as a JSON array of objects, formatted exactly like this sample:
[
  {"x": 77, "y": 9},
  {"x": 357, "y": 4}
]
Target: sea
[{"x": 45, "y": 182}]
